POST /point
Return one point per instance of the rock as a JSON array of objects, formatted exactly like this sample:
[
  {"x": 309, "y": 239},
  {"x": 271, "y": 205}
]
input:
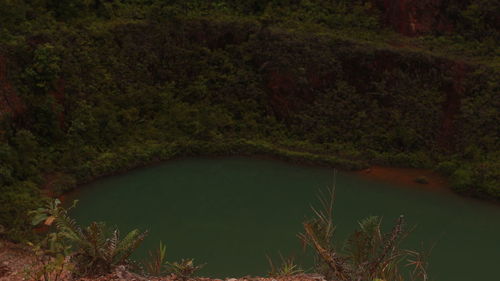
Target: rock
[{"x": 422, "y": 180}]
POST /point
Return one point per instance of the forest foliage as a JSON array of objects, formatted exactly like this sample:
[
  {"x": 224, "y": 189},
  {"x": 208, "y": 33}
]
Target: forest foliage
[{"x": 92, "y": 87}]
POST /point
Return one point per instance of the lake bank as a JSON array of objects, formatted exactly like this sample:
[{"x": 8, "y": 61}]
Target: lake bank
[{"x": 126, "y": 160}]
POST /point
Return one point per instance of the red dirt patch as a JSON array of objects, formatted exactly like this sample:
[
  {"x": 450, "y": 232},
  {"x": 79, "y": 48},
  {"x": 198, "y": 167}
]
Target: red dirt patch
[
  {"x": 13, "y": 260},
  {"x": 451, "y": 106},
  {"x": 415, "y": 17},
  {"x": 406, "y": 177},
  {"x": 9, "y": 100}
]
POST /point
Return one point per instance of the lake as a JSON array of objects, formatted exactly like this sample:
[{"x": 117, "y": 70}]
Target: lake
[{"x": 232, "y": 212}]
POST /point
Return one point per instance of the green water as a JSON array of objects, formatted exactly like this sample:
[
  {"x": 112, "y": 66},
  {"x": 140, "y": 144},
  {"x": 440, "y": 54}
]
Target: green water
[{"x": 232, "y": 212}]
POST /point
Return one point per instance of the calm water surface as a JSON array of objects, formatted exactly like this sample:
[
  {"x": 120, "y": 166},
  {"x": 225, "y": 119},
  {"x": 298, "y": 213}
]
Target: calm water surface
[{"x": 232, "y": 212}]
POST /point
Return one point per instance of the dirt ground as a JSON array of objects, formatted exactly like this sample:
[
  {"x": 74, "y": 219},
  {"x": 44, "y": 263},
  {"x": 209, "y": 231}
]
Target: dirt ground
[
  {"x": 15, "y": 259},
  {"x": 406, "y": 177}
]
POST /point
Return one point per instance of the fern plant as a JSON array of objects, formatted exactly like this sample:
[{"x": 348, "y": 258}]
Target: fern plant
[
  {"x": 99, "y": 252},
  {"x": 95, "y": 249},
  {"x": 184, "y": 269},
  {"x": 368, "y": 254}
]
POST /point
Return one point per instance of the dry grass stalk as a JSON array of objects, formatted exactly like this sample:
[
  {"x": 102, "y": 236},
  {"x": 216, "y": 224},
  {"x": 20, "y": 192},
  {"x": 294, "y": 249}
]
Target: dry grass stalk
[{"x": 368, "y": 253}]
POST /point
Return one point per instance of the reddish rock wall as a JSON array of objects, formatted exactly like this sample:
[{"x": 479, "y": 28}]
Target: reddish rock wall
[
  {"x": 451, "y": 106},
  {"x": 10, "y": 103},
  {"x": 59, "y": 94},
  {"x": 415, "y": 17}
]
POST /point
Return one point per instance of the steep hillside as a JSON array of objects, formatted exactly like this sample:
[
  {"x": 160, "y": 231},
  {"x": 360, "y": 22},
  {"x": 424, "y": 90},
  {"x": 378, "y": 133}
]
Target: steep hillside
[{"x": 89, "y": 90}]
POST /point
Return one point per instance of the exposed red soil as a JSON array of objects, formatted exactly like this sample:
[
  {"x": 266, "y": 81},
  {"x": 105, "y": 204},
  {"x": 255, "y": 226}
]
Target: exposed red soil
[
  {"x": 281, "y": 86},
  {"x": 59, "y": 94},
  {"x": 415, "y": 17},
  {"x": 451, "y": 105},
  {"x": 10, "y": 102},
  {"x": 406, "y": 177},
  {"x": 13, "y": 261},
  {"x": 123, "y": 275}
]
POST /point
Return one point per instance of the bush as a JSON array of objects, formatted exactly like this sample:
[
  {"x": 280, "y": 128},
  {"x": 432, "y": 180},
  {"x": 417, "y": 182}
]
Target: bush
[
  {"x": 95, "y": 250},
  {"x": 369, "y": 254},
  {"x": 447, "y": 167},
  {"x": 461, "y": 180},
  {"x": 15, "y": 201}
]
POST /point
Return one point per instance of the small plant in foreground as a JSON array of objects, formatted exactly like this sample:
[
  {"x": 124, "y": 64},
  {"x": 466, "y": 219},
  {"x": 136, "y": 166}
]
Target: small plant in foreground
[
  {"x": 157, "y": 261},
  {"x": 369, "y": 254},
  {"x": 51, "y": 253},
  {"x": 51, "y": 263},
  {"x": 185, "y": 268},
  {"x": 158, "y": 265},
  {"x": 287, "y": 267}
]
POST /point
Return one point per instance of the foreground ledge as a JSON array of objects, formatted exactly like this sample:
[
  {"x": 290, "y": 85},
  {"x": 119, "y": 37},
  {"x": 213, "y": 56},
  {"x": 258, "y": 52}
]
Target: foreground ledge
[{"x": 14, "y": 258}]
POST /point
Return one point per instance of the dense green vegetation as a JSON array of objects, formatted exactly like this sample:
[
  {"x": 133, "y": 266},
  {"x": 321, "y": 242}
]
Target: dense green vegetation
[{"x": 90, "y": 88}]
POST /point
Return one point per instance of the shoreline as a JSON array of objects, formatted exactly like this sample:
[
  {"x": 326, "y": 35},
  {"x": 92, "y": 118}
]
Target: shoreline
[
  {"x": 162, "y": 153},
  {"x": 407, "y": 177},
  {"x": 396, "y": 176}
]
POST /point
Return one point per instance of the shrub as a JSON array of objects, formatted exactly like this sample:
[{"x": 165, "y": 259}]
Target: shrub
[
  {"x": 50, "y": 263},
  {"x": 447, "y": 167},
  {"x": 287, "y": 267},
  {"x": 461, "y": 180},
  {"x": 94, "y": 249},
  {"x": 184, "y": 269},
  {"x": 368, "y": 253},
  {"x": 158, "y": 265},
  {"x": 155, "y": 266},
  {"x": 15, "y": 200}
]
